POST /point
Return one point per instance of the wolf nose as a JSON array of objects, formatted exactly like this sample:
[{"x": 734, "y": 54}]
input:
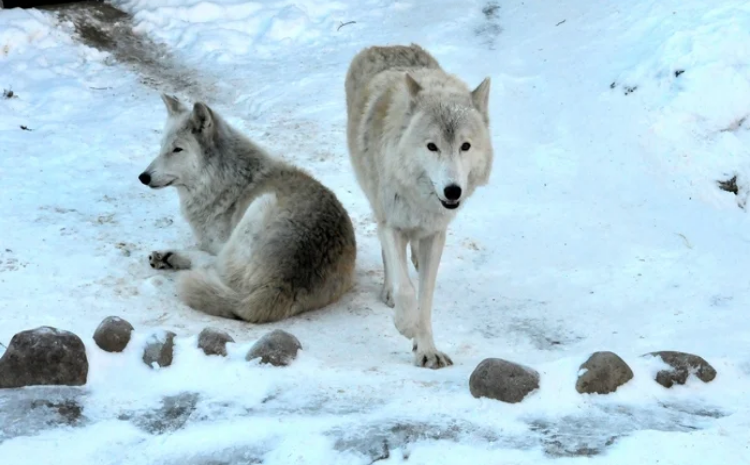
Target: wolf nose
[
  {"x": 452, "y": 192},
  {"x": 145, "y": 178}
]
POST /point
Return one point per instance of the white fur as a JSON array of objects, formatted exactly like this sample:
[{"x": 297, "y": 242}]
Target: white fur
[{"x": 408, "y": 125}]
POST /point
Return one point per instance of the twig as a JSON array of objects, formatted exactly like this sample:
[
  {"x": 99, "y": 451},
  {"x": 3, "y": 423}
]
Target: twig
[
  {"x": 1, "y": 344},
  {"x": 687, "y": 242},
  {"x": 560, "y": 22},
  {"x": 345, "y": 24},
  {"x": 25, "y": 128}
]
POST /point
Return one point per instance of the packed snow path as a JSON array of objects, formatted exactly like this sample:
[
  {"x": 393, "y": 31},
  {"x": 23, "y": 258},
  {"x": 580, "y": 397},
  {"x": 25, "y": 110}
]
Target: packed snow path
[{"x": 602, "y": 229}]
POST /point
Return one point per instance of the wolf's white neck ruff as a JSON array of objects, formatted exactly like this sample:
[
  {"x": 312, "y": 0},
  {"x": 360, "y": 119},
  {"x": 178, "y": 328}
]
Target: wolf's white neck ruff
[{"x": 408, "y": 213}]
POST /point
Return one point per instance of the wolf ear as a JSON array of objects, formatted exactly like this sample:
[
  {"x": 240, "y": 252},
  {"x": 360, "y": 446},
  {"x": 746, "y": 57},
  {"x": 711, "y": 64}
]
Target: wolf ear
[
  {"x": 412, "y": 85},
  {"x": 202, "y": 118},
  {"x": 174, "y": 106},
  {"x": 481, "y": 96}
]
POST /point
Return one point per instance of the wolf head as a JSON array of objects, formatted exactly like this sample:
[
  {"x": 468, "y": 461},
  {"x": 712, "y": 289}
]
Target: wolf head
[
  {"x": 448, "y": 140},
  {"x": 183, "y": 146}
]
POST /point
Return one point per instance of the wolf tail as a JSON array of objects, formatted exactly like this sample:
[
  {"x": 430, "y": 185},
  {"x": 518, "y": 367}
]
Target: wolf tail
[{"x": 204, "y": 291}]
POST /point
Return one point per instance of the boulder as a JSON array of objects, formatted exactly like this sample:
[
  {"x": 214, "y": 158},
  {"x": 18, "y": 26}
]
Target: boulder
[
  {"x": 604, "y": 373},
  {"x": 503, "y": 380},
  {"x": 682, "y": 365},
  {"x": 44, "y": 356},
  {"x": 278, "y": 348},
  {"x": 159, "y": 350},
  {"x": 113, "y": 334},
  {"x": 214, "y": 341}
]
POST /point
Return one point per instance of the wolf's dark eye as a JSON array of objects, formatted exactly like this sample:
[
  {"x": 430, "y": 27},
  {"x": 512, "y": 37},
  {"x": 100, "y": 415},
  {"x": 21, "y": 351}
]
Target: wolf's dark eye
[
  {"x": 465, "y": 146},
  {"x": 177, "y": 150},
  {"x": 432, "y": 147}
]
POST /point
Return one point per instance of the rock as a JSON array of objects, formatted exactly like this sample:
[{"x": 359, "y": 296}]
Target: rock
[
  {"x": 44, "y": 356},
  {"x": 605, "y": 372},
  {"x": 503, "y": 380},
  {"x": 682, "y": 365},
  {"x": 113, "y": 334},
  {"x": 214, "y": 341},
  {"x": 159, "y": 349},
  {"x": 278, "y": 348}
]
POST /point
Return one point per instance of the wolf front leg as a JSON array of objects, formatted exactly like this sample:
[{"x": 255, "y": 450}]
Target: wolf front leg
[
  {"x": 179, "y": 259},
  {"x": 394, "y": 250},
  {"x": 415, "y": 253},
  {"x": 429, "y": 254},
  {"x": 387, "y": 293}
]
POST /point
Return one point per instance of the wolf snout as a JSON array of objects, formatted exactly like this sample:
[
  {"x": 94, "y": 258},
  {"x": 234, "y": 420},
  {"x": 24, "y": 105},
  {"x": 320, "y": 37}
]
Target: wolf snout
[
  {"x": 145, "y": 178},
  {"x": 452, "y": 192}
]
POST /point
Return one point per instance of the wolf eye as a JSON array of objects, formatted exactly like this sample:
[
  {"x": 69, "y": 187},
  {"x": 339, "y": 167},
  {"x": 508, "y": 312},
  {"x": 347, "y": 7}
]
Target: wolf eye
[
  {"x": 465, "y": 146},
  {"x": 432, "y": 147},
  {"x": 177, "y": 150}
]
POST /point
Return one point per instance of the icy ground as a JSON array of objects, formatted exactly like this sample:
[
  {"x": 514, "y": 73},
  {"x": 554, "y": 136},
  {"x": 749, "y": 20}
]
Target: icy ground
[{"x": 602, "y": 229}]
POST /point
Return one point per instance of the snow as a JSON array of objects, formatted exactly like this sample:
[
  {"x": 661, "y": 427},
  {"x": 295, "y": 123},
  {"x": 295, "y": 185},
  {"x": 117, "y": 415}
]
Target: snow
[{"x": 602, "y": 229}]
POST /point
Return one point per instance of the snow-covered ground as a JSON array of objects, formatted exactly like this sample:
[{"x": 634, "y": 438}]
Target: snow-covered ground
[{"x": 602, "y": 229}]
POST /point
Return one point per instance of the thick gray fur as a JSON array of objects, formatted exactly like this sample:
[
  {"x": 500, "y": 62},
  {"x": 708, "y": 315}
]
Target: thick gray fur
[{"x": 280, "y": 243}]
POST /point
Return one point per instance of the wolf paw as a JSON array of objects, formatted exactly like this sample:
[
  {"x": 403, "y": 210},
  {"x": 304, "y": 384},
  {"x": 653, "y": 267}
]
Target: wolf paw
[
  {"x": 433, "y": 359},
  {"x": 160, "y": 260}
]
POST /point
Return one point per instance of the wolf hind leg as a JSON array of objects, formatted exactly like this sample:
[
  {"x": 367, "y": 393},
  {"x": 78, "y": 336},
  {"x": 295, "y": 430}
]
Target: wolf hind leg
[{"x": 394, "y": 247}]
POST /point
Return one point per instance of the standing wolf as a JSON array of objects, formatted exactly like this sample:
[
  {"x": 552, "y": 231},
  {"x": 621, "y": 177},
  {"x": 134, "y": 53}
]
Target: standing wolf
[
  {"x": 281, "y": 242},
  {"x": 420, "y": 144}
]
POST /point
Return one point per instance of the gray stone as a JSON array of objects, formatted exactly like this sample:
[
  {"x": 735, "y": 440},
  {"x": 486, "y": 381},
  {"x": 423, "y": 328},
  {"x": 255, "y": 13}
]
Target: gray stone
[
  {"x": 682, "y": 365},
  {"x": 503, "y": 380},
  {"x": 42, "y": 357},
  {"x": 113, "y": 334},
  {"x": 278, "y": 348},
  {"x": 605, "y": 372},
  {"x": 159, "y": 349},
  {"x": 214, "y": 341}
]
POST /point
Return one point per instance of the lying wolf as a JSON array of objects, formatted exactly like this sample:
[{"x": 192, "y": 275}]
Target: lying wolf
[
  {"x": 419, "y": 142},
  {"x": 280, "y": 242}
]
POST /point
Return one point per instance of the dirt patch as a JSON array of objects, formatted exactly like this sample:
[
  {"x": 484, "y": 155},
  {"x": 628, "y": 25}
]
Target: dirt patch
[
  {"x": 109, "y": 29},
  {"x": 730, "y": 185},
  {"x": 490, "y": 28},
  {"x": 30, "y": 3}
]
